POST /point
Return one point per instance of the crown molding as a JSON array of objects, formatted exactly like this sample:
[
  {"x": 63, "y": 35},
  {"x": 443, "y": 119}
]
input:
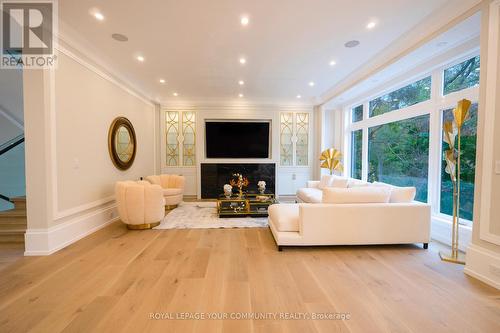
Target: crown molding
[
  {"x": 69, "y": 43},
  {"x": 429, "y": 28}
]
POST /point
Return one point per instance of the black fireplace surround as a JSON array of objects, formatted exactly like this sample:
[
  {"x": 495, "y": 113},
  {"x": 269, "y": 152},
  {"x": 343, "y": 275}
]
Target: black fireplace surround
[{"x": 215, "y": 175}]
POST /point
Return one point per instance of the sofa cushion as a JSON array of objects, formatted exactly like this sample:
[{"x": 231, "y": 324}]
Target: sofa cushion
[
  {"x": 311, "y": 195},
  {"x": 356, "y": 195},
  {"x": 285, "y": 217},
  {"x": 339, "y": 182},
  {"x": 326, "y": 181},
  {"x": 399, "y": 194},
  {"x": 353, "y": 182}
]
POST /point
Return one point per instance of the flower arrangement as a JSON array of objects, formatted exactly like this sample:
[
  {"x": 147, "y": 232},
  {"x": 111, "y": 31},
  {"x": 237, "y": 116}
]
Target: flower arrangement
[
  {"x": 239, "y": 181},
  {"x": 262, "y": 186}
]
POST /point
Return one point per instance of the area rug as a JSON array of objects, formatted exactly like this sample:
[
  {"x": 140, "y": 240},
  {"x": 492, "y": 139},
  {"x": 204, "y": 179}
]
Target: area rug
[{"x": 203, "y": 215}]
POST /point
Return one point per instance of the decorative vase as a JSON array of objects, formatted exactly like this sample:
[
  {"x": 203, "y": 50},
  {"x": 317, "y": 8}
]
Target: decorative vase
[
  {"x": 228, "y": 191},
  {"x": 262, "y": 186}
]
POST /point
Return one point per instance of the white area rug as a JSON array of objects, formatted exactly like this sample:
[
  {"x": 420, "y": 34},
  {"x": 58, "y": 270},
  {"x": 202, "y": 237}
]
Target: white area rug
[{"x": 203, "y": 215}]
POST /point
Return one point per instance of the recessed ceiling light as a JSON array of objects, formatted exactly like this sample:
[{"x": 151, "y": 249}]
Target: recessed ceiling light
[
  {"x": 240, "y": 95},
  {"x": 299, "y": 96},
  {"x": 241, "y": 82},
  {"x": 140, "y": 58},
  {"x": 119, "y": 37},
  {"x": 352, "y": 43},
  {"x": 311, "y": 84},
  {"x": 245, "y": 20},
  {"x": 162, "y": 81},
  {"x": 333, "y": 63},
  {"x": 99, "y": 16},
  {"x": 371, "y": 25},
  {"x": 243, "y": 61},
  {"x": 175, "y": 94}
]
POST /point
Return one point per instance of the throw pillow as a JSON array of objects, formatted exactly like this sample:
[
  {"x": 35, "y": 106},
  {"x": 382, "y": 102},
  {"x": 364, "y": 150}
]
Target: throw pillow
[
  {"x": 399, "y": 194},
  {"x": 356, "y": 195},
  {"x": 325, "y": 181}
]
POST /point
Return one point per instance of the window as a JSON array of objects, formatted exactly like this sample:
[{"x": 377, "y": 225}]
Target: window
[
  {"x": 461, "y": 76},
  {"x": 302, "y": 133},
  {"x": 294, "y": 139},
  {"x": 357, "y": 113},
  {"x": 286, "y": 136},
  {"x": 398, "y": 154},
  {"x": 356, "y": 153},
  {"x": 409, "y": 95},
  {"x": 468, "y": 164},
  {"x": 180, "y": 138},
  {"x": 172, "y": 132}
]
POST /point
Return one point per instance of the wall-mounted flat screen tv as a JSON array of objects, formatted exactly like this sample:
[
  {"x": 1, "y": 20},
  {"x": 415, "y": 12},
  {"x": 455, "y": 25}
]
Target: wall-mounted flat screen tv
[{"x": 237, "y": 139}]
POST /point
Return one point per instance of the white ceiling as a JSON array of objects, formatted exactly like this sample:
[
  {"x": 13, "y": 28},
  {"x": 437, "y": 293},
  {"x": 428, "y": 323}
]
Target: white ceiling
[{"x": 195, "y": 44}]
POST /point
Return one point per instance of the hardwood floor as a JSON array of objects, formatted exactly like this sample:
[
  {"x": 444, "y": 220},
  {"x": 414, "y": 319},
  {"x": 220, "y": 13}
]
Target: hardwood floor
[{"x": 115, "y": 280}]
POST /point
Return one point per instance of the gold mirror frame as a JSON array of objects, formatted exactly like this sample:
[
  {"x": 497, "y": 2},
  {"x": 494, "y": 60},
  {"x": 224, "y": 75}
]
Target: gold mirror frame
[{"x": 113, "y": 132}]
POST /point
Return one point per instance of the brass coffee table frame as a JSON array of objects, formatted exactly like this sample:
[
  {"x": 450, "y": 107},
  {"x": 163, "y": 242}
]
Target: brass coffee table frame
[{"x": 246, "y": 205}]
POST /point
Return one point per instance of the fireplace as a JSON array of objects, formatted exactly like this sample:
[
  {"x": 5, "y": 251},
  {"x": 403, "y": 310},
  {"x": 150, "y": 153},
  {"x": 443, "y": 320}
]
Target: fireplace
[{"x": 215, "y": 175}]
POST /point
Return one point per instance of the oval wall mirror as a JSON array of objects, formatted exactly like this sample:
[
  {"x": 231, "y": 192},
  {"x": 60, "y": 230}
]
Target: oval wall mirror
[{"x": 122, "y": 143}]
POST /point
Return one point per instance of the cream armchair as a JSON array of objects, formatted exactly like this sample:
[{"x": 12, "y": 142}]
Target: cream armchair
[
  {"x": 173, "y": 188},
  {"x": 140, "y": 204}
]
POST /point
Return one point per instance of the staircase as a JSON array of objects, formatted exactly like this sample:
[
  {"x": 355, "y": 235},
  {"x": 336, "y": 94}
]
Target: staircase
[{"x": 13, "y": 222}]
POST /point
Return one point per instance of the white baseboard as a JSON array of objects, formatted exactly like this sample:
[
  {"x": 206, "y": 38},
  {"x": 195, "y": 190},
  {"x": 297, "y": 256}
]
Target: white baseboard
[
  {"x": 483, "y": 265},
  {"x": 42, "y": 242}
]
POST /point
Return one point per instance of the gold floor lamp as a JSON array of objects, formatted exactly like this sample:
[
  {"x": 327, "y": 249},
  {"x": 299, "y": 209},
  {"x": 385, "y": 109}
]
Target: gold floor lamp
[
  {"x": 452, "y": 130},
  {"x": 331, "y": 159}
]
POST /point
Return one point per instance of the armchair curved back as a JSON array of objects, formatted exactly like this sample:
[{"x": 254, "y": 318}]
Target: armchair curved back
[
  {"x": 139, "y": 202},
  {"x": 167, "y": 181}
]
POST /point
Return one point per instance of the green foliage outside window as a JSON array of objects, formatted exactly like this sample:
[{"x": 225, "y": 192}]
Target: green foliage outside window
[
  {"x": 468, "y": 168},
  {"x": 409, "y": 95},
  {"x": 357, "y": 113},
  {"x": 461, "y": 76},
  {"x": 356, "y": 153},
  {"x": 398, "y": 154}
]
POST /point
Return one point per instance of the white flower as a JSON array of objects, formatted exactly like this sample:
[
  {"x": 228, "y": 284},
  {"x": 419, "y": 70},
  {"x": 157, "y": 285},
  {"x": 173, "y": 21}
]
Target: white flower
[{"x": 261, "y": 183}]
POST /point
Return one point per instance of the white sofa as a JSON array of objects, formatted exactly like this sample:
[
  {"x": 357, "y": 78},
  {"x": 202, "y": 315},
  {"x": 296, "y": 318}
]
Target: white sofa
[{"x": 338, "y": 222}]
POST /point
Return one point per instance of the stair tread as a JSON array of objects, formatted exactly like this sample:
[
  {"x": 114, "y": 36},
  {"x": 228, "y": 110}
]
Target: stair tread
[{"x": 12, "y": 215}]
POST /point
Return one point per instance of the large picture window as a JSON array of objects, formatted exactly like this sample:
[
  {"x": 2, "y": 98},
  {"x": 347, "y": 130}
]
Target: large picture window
[
  {"x": 467, "y": 172},
  {"x": 357, "y": 113},
  {"x": 356, "y": 154},
  {"x": 398, "y": 154},
  {"x": 407, "y": 96},
  {"x": 461, "y": 76}
]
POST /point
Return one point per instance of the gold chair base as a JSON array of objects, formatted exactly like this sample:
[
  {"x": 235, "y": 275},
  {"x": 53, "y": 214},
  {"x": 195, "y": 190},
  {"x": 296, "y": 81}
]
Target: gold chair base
[
  {"x": 446, "y": 256},
  {"x": 170, "y": 207},
  {"x": 142, "y": 226}
]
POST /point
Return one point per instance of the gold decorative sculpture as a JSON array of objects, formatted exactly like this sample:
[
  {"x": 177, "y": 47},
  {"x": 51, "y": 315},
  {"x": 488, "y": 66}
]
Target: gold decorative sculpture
[
  {"x": 331, "y": 159},
  {"x": 452, "y": 131}
]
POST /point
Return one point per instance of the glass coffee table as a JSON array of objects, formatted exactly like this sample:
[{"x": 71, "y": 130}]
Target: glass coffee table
[{"x": 249, "y": 204}]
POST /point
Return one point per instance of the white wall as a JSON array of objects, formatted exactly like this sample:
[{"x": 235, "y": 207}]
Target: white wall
[
  {"x": 288, "y": 178},
  {"x": 483, "y": 255},
  {"x": 70, "y": 177},
  {"x": 84, "y": 113}
]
